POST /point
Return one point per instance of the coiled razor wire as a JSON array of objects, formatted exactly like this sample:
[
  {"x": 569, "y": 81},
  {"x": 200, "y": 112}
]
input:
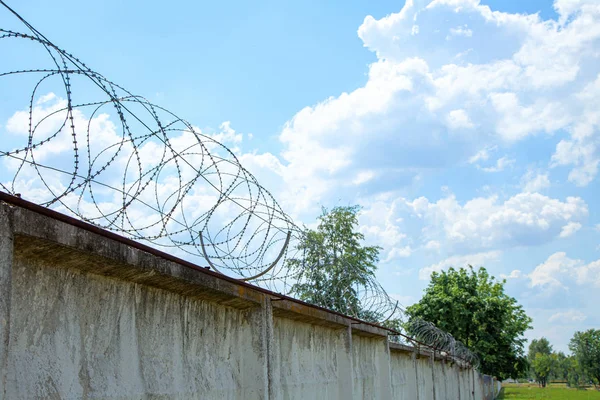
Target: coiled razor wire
[
  {"x": 437, "y": 340},
  {"x": 154, "y": 177}
]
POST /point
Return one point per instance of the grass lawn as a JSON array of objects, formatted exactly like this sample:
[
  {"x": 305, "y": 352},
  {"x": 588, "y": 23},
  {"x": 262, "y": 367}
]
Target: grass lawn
[{"x": 553, "y": 392}]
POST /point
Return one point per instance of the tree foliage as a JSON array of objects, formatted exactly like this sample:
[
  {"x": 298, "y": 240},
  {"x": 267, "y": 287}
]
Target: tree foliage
[
  {"x": 576, "y": 376},
  {"x": 586, "y": 349},
  {"x": 578, "y": 369},
  {"x": 537, "y": 346},
  {"x": 543, "y": 367},
  {"x": 541, "y": 346},
  {"x": 562, "y": 368},
  {"x": 334, "y": 263},
  {"x": 473, "y": 307}
]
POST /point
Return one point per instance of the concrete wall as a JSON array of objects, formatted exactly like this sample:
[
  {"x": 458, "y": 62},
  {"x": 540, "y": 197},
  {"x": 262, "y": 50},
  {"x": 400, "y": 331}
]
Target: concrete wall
[
  {"x": 404, "y": 375},
  {"x": 86, "y": 314}
]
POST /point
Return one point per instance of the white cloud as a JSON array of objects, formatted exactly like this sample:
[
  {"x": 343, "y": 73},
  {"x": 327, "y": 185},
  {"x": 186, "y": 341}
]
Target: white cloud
[
  {"x": 481, "y": 155},
  {"x": 581, "y": 150},
  {"x": 582, "y": 155},
  {"x": 398, "y": 252},
  {"x": 460, "y": 31},
  {"x": 48, "y": 123},
  {"x": 524, "y": 79},
  {"x": 589, "y": 273},
  {"x": 549, "y": 272},
  {"x": 554, "y": 272},
  {"x": 422, "y": 108},
  {"x": 462, "y": 261},
  {"x": 568, "y": 317},
  {"x": 457, "y": 119},
  {"x": 363, "y": 177},
  {"x": 380, "y": 223},
  {"x": 501, "y": 164},
  {"x": 535, "y": 182},
  {"x": 515, "y": 274},
  {"x": 433, "y": 245},
  {"x": 569, "y": 229},
  {"x": 226, "y": 134},
  {"x": 517, "y": 121},
  {"x": 485, "y": 222}
]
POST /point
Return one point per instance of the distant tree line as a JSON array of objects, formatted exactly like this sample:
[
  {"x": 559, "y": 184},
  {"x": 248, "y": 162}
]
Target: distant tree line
[{"x": 581, "y": 368}]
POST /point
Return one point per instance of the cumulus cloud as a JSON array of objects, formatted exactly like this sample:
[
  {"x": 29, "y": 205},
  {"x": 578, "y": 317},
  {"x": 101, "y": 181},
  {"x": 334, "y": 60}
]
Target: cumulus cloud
[
  {"x": 458, "y": 119},
  {"x": 568, "y": 317},
  {"x": 462, "y": 261},
  {"x": 569, "y": 229},
  {"x": 501, "y": 164},
  {"x": 460, "y": 31},
  {"x": 558, "y": 268},
  {"x": 363, "y": 177},
  {"x": 487, "y": 222},
  {"x": 550, "y": 271},
  {"x": 482, "y": 155},
  {"x": 535, "y": 181},
  {"x": 433, "y": 245},
  {"x": 515, "y": 274},
  {"x": 422, "y": 106},
  {"x": 582, "y": 155},
  {"x": 380, "y": 223}
]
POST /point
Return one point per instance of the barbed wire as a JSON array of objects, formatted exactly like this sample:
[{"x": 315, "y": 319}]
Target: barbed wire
[
  {"x": 156, "y": 178},
  {"x": 439, "y": 341}
]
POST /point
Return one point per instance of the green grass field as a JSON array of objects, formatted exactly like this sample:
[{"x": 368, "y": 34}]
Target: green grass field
[{"x": 553, "y": 392}]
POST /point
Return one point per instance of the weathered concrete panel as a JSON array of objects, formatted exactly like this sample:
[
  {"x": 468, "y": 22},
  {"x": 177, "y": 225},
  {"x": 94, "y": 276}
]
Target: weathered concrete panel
[
  {"x": 425, "y": 378},
  {"x": 451, "y": 380},
  {"x": 479, "y": 389},
  {"x": 465, "y": 392},
  {"x": 76, "y": 335},
  {"x": 309, "y": 358},
  {"x": 404, "y": 375},
  {"x": 368, "y": 358},
  {"x": 454, "y": 374},
  {"x": 439, "y": 381}
]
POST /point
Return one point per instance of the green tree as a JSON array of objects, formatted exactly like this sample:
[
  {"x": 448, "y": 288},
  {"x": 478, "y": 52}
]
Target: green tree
[
  {"x": 563, "y": 365},
  {"x": 334, "y": 263},
  {"x": 586, "y": 349},
  {"x": 543, "y": 366},
  {"x": 576, "y": 377},
  {"x": 473, "y": 307},
  {"x": 541, "y": 346}
]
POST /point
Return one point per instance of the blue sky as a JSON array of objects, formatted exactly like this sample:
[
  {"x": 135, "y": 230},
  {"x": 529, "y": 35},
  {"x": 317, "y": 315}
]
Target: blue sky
[{"x": 467, "y": 130}]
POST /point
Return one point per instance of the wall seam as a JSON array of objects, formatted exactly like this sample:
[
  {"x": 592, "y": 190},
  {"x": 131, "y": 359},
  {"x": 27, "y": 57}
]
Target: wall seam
[
  {"x": 6, "y": 266},
  {"x": 271, "y": 362},
  {"x": 432, "y": 363},
  {"x": 347, "y": 389}
]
